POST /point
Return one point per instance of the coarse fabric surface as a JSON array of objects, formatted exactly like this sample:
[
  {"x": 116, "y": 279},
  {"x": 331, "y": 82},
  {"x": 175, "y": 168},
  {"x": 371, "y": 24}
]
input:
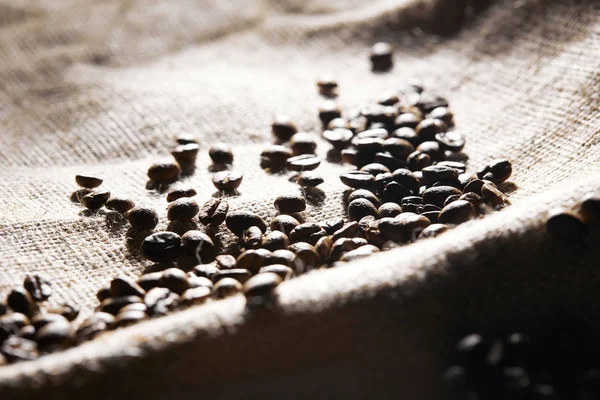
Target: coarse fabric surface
[{"x": 103, "y": 88}]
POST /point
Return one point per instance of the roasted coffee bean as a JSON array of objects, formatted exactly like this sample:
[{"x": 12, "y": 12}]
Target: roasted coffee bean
[
  {"x": 382, "y": 180},
  {"x": 186, "y": 138},
  {"x": 67, "y": 310},
  {"x": 285, "y": 257},
  {"x": 350, "y": 156},
  {"x": 289, "y": 203},
  {"x": 407, "y": 179},
  {"x": 492, "y": 196},
  {"x": 275, "y": 157},
  {"x": 388, "y": 99},
  {"x": 27, "y": 332},
  {"x": 332, "y": 225},
  {"x": 185, "y": 154},
  {"x": 567, "y": 226},
  {"x": 472, "y": 198},
  {"x": 338, "y": 123},
  {"x": 195, "y": 296},
  {"x": 357, "y": 179},
  {"x": 429, "y": 207},
  {"x": 178, "y": 193},
  {"x": 339, "y": 138},
  {"x": 358, "y": 124},
  {"x": 310, "y": 179},
  {"x": 433, "y": 230},
  {"x": 381, "y": 57},
  {"x": 164, "y": 171},
  {"x": 427, "y": 102},
  {"x": 161, "y": 246},
  {"x": 175, "y": 280},
  {"x": 436, "y": 173},
  {"x": 367, "y": 145},
  {"x": 497, "y": 171},
  {"x": 461, "y": 167},
  {"x": 134, "y": 307},
  {"x": 418, "y": 160},
  {"x": 160, "y": 301},
  {"x": 88, "y": 181},
  {"x": 389, "y": 161},
  {"x": 142, "y": 218},
  {"x": 77, "y": 195},
  {"x": 119, "y": 204},
  {"x": 306, "y": 257},
  {"x": 39, "y": 320},
  {"x": 226, "y": 287},
  {"x": 261, "y": 286},
  {"x": 457, "y": 212},
  {"x": 283, "y": 128},
  {"x": 126, "y": 318},
  {"x": 329, "y": 111},
  {"x": 428, "y": 128},
  {"x": 206, "y": 270},
  {"x": 55, "y": 336},
  {"x": 407, "y": 120},
  {"x": 183, "y": 209},
  {"x": 220, "y": 153},
  {"x": 213, "y": 212},
  {"x": 432, "y": 149},
  {"x": 590, "y": 208},
  {"x": 360, "y": 208},
  {"x": 94, "y": 325},
  {"x": 397, "y": 147},
  {"x": 474, "y": 186},
  {"x": 307, "y": 232},
  {"x": 250, "y": 260},
  {"x": 323, "y": 248},
  {"x": 103, "y": 293},
  {"x": 303, "y": 143},
  {"x": 375, "y": 169},
  {"x": 363, "y": 194},
  {"x": 393, "y": 229},
  {"x": 239, "y": 274},
  {"x": 465, "y": 178},
  {"x": 443, "y": 114},
  {"x": 238, "y": 221},
  {"x": 394, "y": 193},
  {"x": 453, "y": 198},
  {"x": 197, "y": 281},
  {"x": 15, "y": 319},
  {"x": 199, "y": 245},
  {"x": 227, "y": 180},
  {"x": 17, "y": 349},
  {"x": 389, "y": 210},
  {"x": 437, "y": 195},
  {"x": 3, "y": 308},
  {"x": 361, "y": 252},
  {"x": 20, "y": 300},
  {"x": 95, "y": 200},
  {"x": 284, "y": 223},
  {"x": 327, "y": 86},
  {"x": 304, "y": 162},
  {"x": 451, "y": 141},
  {"x": 149, "y": 281},
  {"x": 347, "y": 231},
  {"x": 38, "y": 287},
  {"x": 283, "y": 271},
  {"x": 275, "y": 240},
  {"x": 377, "y": 133},
  {"x": 412, "y": 223},
  {"x": 7, "y": 329},
  {"x": 124, "y": 286}
]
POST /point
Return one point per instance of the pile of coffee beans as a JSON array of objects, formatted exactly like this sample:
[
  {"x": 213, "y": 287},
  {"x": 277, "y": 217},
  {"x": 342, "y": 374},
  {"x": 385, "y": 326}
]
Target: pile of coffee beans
[
  {"x": 555, "y": 365},
  {"x": 573, "y": 226}
]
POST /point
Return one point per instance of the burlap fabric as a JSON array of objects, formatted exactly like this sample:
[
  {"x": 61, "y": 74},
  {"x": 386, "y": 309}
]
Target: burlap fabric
[{"x": 103, "y": 88}]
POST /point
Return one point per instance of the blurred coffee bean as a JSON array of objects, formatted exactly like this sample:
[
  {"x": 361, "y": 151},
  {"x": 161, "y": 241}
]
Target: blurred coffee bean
[{"x": 220, "y": 153}]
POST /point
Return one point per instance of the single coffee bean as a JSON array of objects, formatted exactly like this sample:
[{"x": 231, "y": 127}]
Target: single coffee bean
[
  {"x": 429, "y": 207},
  {"x": 142, "y": 218},
  {"x": 186, "y": 138},
  {"x": 213, "y": 212},
  {"x": 94, "y": 325},
  {"x": 283, "y": 128},
  {"x": 338, "y": 123},
  {"x": 339, "y": 138},
  {"x": 149, "y": 281},
  {"x": 251, "y": 238},
  {"x": 500, "y": 171},
  {"x": 474, "y": 186},
  {"x": 27, "y": 332},
  {"x": 457, "y": 212},
  {"x": 160, "y": 301},
  {"x": 451, "y": 141},
  {"x": 124, "y": 286},
  {"x": 289, "y": 203},
  {"x": 428, "y": 128},
  {"x": 418, "y": 160},
  {"x": 198, "y": 281},
  {"x": 283, "y": 271},
  {"x": 436, "y": 173},
  {"x": 437, "y": 195},
  {"x": 127, "y": 318},
  {"x": 38, "y": 287},
  {"x": 220, "y": 153},
  {"x": 427, "y": 102},
  {"x": 304, "y": 162},
  {"x": 183, "y": 209},
  {"x": 329, "y": 111},
  {"x": 590, "y": 207},
  {"x": 389, "y": 161},
  {"x": 461, "y": 167},
  {"x": 16, "y": 319},
  {"x": 307, "y": 232},
  {"x": 134, "y": 307},
  {"x": 95, "y": 200},
  {"x": 389, "y": 210},
  {"x": 350, "y": 156},
  {"x": 433, "y": 230},
  {"x": 206, "y": 270},
  {"x": 199, "y": 245},
  {"x": 238, "y": 221},
  {"x": 88, "y": 181},
  {"x": 432, "y": 149},
  {"x": 407, "y": 120},
  {"x": 357, "y": 179},
  {"x": 20, "y": 300},
  {"x": 381, "y": 57},
  {"x": 239, "y": 274},
  {"x": 344, "y": 245},
  {"x": 103, "y": 293},
  {"x": 175, "y": 280},
  {"x": 327, "y": 86},
  {"x": 306, "y": 257},
  {"x": 360, "y": 208},
  {"x": 3, "y": 308},
  {"x": 407, "y": 179},
  {"x": 227, "y": 180},
  {"x": 452, "y": 198},
  {"x": 397, "y": 147},
  {"x": 275, "y": 157},
  {"x": 119, "y": 204},
  {"x": 39, "y": 320},
  {"x": 413, "y": 223},
  {"x": 112, "y": 305},
  {"x": 67, "y": 310},
  {"x": 276, "y": 240},
  {"x": 567, "y": 226},
  {"x": 161, "y": 246},
  {"x": 361, "y": 252},
  {"x": 375, "y": 169},
  {"x": 323, "y": 248},
  {"x": 56, "y": 336},
  {"x": 178, "y": 193},
  {"x": 77, "y": 195},
  {"x": 285, "y": 257},
  {"x": 349, "y": 230},
  {"x": 368, "y": 145},
  {"x": 472, "y": 198},
  {"x": 303, "y": 143},
  {"x": 17, "y": 349},
  {"x": 164, "y": 171},
  {"x": 357, "y": 124},
  {"x": 7, "y": 330},
  {"x": 284, "y": 223},
  {"x": 226, "y": 287},
  {"x": 443, "y": 114},
  {"x": 332, "y": 225},
  {"x": 310, "y": 179},
  {"x": 363, "y": 194},
  {"x": 261, "y": 286},
  {"x": 185, "y": 154},
  {"x": 195, "y": 296},
  {"x": 376, "y": 133},
  {"x": 394, "y": 193},
  {"x": 393, "y": 229},
  {"x": 388, "y": 99},
  {"x": 492, "y": 196}
]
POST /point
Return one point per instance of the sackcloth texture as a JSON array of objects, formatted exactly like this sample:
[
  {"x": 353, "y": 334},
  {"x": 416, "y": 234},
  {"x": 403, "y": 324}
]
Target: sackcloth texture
[{"x": 103, "y": 87}]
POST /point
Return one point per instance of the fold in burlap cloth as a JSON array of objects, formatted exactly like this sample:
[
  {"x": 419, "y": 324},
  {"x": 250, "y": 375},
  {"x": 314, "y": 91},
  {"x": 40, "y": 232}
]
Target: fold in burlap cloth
[{"x": 103, "y": 87}]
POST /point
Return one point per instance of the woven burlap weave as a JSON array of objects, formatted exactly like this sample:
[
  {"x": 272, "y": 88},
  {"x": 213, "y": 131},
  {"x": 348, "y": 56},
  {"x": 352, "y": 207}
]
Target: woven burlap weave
[{"x": 103, "y": 87}]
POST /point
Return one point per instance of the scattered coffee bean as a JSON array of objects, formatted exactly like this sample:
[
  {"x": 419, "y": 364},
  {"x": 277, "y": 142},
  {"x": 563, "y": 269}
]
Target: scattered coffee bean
[
  {"x": 149, "y": 281},
  {"x": 16, "y": 349},
  {"x": 195, "y": 296},
  {"x": 407, "y": 120},
  {"x": 436, "y": 173},
  {"x": 275, "y": 157},
  {"x": 303, "y": 143},
  {"x": 443, "y": 114},
  {"x": 103, "y": 293},
  {"x": 437, "y": 195},
  {"x": 95, "y": 200},
  {"x": 112, "y": 305},
  {"x": 363, "y": 194},
  {"x": 20, "y": 300},
  {"x": 428, "y": 128},
  {"x": 329, "y": 111},
  {"x": 471, "y": 197},
  {"x": 239, "y": 274},
  {"x": 199, "y": 245},
  {"x": 389, "y": 210},
  {"x": 283, "y": 128},
  {"x": 142, "y": 218},
  {"x": 261, "y": 286},
  {"x": 283, "y": 271},
  {"x": 164, "y": 171},
  {"x": 590, "y": 207},
  {"x": 183, "y": 209},
  {"x": 497, "y": 171},
  {"x": 67, "y": 310},
  {"x": 161, "y": 246},
  {"x": 206, "y": 270},
  {"x": 323, "y": 247},
  {"x": 251, "y": 238},
  {"x": 56, "y": 336},
  {"x": 347, "y": 231},
  {"x": 381, "y": 57},
  {"x": 123, "y": 286},
  {"x": 451, "y": 141},
  {"x": 39, "y": 320},
  {"x": 77, "y": 195},
  {"x": 375, "y": 169},
  {"x": 87, "y": 181},
  {"x": 119, "y": 204},
  {"x": 238, "y": 221},
  {"x": 178, "y": 193},
  {"x": 310, "y": 179},
  {"x": 186, "y": 138},
  {"x": 175, "y": 280},
  {"x": 307, "y": 232},
  {"x": 394, "y": 193},
  {"x": 457, "y": 212},
  {"x": 338, "y": 123},
  {"x": 38, "y": 287},
  {"x": 160, "y": 301},
  {"x": 357, "y": 179},
  {"x": 226, "y": 287},
  {"x": 332, "y": 225},
  {"x": 305, "y": 162},
  {"x": 94, "y": 325},
  {"x": 275, "y": 240},
  {"x": 213, "y": 212},
  {"x": 433, "y": 230},
  {"x": 361, "y": 252},
  {"x": 567, "y": 226},
  {"x": 339, "y": 138},
  {"x": 220, "y": 153},
  {"x": 227, "y": 180},
  {"x": 290, "y": 203},
  {"x": 285, "y": 257},
  {"x": 284, "y": 223},
  {"x": 327, "y": 86},
  {"x": 126, "y": 318},
  {"x": 360, "y": 208},
  {"x": 492, "y": 196},
  {"x": 186, "y": 154},
  {"x": 198, "y": 281},
  {"x": 306, "y": 257},
  {"x": 474, "y": 186},
  {"x": 418, "y": 160}
]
